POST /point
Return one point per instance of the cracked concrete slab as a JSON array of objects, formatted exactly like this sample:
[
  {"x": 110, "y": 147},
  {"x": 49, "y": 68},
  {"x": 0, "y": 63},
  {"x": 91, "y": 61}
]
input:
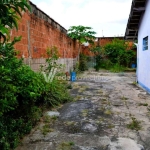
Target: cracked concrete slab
[{"x": 109, "y": 112}]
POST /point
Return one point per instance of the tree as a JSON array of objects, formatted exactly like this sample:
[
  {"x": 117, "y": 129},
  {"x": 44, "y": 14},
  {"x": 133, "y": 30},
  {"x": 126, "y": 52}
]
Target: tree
[
  {"x": 82, "y": 34},
  {"x": 10, "y": 10}
]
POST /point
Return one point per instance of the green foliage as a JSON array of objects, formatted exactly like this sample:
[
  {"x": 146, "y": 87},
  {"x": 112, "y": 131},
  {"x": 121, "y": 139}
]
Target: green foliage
[
  {"x": 134, "y": 124},
  {"x": 143, "y": 104},
  {"x": 81, "y": 33},
  {"x": 55, "y": 91},
  {"x": 117, "y": 52},
  {"x": 114, "y": 56},
  {"x": 9, "y": 11},
  {"x": 52, "y": 53},
  {"x": 24, "y": 94},
  {"x": 76, "y": 67},
  {"x": 101, "y": 61},
  {"x": 83, "y": 62},
  {"x": 65, "y": 146},
  {"x": 117, "y": 68},
  {"x": 20, "y": 90}
]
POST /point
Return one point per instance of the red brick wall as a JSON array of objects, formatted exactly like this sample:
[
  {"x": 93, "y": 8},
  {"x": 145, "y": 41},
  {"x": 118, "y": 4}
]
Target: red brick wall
[
  {"x": 22, "y": 46},
  {"x": 39, "y": 32},
  {"x": 102, "y": 41}
]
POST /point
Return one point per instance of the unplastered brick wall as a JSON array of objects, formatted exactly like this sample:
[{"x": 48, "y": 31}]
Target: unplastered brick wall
[
  {"x": 39, "y": 32},
  {"x": 102, "y": 41}
]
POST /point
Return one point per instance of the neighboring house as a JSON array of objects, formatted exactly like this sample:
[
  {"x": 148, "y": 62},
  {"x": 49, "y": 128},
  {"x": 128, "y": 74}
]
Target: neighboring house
[{"x": 138, "y": 29}]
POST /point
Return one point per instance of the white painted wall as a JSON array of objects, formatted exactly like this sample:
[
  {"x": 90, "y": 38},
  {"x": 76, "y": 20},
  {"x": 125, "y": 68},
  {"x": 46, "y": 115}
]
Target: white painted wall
[{"x": 144, "y": 56}]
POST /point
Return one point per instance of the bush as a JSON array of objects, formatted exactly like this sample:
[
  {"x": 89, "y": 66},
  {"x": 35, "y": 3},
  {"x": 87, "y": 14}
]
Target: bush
[
  {"x": 114, "y": 56},
  {"x": 24, "y": 95},
  {"x": 117, "y": 53}
]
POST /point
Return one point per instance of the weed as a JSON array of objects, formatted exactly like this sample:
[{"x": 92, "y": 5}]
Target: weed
[
  {"x": 134, "y": 124},
  {"x": 82, "y": 89},
  {"x": 117, "y": 68},
  {"x": 110, "y": 126},
  {"x": 46, "y": 119},
  {"x": 70, "y": 123},
  {"x": 84, "y": 112},
  {"x": 104, "y": 100},
  {"x": 108, "y": 112},
  {"x": 143, "y": 104},
  {"x": 69, "y": 86},
  {"x": 100, "y": 91},
  {"x": 124, "y": 98},
  {"x": 46, "y": 128},
  {"x": 77, "y": 98},
  {"x": 65, "y": 145},
  {"x": 134, "y": 83}
]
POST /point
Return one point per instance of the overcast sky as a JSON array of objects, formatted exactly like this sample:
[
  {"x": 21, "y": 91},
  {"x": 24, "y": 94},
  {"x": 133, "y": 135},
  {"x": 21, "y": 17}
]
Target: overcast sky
[{"x": 106, "y": 17}]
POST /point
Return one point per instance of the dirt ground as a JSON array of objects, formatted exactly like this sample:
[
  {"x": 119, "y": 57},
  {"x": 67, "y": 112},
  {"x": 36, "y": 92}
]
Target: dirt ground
[{"x": 109, "y": 112}]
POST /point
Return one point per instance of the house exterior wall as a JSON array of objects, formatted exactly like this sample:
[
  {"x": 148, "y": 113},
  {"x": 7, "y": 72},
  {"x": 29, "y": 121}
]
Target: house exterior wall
[{"x": 143, "y": 58}]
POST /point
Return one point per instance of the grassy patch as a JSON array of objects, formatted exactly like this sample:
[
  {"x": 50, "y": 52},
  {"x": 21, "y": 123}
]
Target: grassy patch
[
  {"x": 65, "y": 145},
  {"x": 117, "y": 68},
  {"x": 134, "y": 124},
  {"x": 108, "y": 112},
  {"x": 46, "y": 129},
  {"x": 84, "y": 112},
  {"x": 134, "y": 83}
]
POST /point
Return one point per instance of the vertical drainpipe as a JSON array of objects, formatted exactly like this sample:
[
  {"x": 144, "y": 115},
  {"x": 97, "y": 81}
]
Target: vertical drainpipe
[
  {"x": 29, "y": 44},
  {"x": 137, "y": 61}
]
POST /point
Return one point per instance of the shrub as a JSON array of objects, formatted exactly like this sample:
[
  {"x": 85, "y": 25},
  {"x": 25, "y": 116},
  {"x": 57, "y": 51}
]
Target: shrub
[
  {"x": 117, "y": 53},
  {"x": 24, "y": 94},
  {"x": 114, "y": 56}
]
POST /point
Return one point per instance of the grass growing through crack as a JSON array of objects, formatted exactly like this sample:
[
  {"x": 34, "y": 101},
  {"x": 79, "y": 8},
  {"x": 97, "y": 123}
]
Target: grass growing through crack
[
  {"x": 108, "y": 112},
  {"x": 134, "y": 83},
  {"x": 84, "y": 112},
  {"x": 65, "y": 145},
  {"x": 48, "y": 121},
  {"x": 46, "y": 129},
  {"x": 143, "y": 104},
  {"x": 134, "y": 124}
]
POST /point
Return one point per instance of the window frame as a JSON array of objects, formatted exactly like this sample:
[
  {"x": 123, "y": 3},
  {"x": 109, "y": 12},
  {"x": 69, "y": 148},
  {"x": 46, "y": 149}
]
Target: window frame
[{"x": 145, "y": 43}]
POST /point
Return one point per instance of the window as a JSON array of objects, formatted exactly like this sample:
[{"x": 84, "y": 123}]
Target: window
[{"x": 145, "y": 43}]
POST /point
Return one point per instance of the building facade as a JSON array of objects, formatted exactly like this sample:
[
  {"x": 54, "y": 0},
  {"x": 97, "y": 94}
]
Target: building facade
[
  {"x": 138, "y": 29},
  {"x": 143, "y": 72}
]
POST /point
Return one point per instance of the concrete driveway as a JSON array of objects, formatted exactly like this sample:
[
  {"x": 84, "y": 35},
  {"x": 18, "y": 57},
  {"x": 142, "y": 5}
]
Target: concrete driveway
[{"x": 109, "y": 112}]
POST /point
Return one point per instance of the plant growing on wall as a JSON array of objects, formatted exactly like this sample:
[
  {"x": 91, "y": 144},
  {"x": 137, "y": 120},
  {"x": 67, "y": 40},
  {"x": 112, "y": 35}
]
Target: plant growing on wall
[{"x": 83, "y": 34}]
